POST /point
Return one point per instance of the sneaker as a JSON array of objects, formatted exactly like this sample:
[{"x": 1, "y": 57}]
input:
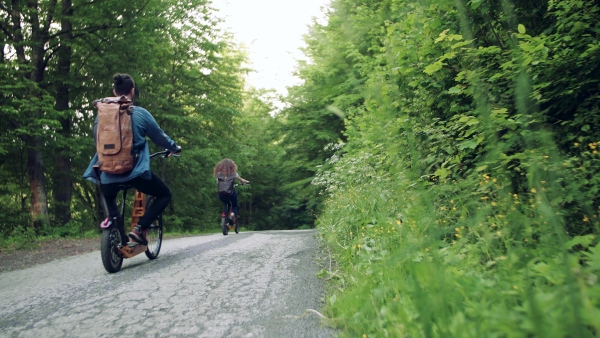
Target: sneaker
[{"x": 138, "y": 235}]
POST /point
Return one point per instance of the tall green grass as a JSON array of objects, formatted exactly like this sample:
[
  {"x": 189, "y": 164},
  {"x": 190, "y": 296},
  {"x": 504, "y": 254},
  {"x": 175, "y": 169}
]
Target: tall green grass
[
  {"x": 464, "y": 203},
  {"x": 453, "y": 259}
]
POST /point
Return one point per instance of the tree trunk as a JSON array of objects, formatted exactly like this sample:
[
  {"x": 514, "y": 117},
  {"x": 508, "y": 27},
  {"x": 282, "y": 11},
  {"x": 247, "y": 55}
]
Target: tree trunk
[
  {"x": 37, "y": 183},
  {"x": 62, "y": 190},
  {"x": 35, "y": 163},
  {"x": 63, "y": 183}
]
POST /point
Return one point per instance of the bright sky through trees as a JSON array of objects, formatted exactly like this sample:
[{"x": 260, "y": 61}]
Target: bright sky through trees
[{"x": 272, "y": 31}]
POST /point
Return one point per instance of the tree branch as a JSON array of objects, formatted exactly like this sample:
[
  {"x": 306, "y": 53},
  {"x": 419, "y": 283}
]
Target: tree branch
[{"x": 4, "y": 28}]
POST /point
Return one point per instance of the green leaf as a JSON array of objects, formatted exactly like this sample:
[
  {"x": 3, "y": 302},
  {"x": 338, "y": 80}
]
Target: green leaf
[
  {"x": 593, "y": 258},
  {"x": 442, "y": 173},
  {"x": 462, "y": 43},
  {"x": 455, "y": 90},
  {"x": 442, "y": 36},
  {"x": 337, "y": 111},
  {"x": 584, "y": 241},
  {"x": 434, "y": 67},
  {"x": 470, "y": 144},
  {"x": 522, "y": 29}
]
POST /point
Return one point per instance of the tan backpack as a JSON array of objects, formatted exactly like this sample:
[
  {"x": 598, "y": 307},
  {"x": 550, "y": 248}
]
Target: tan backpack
[{"x": 114, "y": 135}]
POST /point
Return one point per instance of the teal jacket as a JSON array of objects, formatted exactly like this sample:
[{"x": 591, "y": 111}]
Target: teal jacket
[{"x": 143, "y": 124}]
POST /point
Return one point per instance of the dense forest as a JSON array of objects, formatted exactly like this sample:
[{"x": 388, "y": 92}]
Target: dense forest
[
  {"x": 59, "y": 56},
  {"x": 446, "y": 151}
]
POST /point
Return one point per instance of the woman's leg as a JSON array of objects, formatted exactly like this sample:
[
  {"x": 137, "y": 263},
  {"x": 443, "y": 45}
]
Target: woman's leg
[
  {"x": 234, "y": 202},
  {"x": 225, "y": 201}
]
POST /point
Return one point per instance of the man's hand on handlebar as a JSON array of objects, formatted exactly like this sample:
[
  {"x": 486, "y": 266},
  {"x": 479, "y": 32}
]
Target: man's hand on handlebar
[{"x": 178, "y": 151}]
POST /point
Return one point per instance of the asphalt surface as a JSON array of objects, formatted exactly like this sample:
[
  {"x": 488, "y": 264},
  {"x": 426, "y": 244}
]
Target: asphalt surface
[{"x": 254, "y": 284}]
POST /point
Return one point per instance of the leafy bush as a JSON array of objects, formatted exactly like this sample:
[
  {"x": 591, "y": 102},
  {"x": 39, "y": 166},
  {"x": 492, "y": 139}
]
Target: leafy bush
[{"x": 464, "y": 202}]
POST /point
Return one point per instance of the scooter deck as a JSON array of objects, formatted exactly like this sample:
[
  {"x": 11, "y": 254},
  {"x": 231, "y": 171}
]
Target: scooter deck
[{"x": 133, "y": 250}]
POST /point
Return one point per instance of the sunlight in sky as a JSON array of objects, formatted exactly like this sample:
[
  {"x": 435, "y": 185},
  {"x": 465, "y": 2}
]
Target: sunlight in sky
[{"x": 272, "y": 31}]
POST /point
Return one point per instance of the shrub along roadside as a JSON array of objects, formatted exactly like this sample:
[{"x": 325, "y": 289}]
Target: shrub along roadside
[
  {"x": 464, "y": 202},
  {"x": 410, "y": 263}
]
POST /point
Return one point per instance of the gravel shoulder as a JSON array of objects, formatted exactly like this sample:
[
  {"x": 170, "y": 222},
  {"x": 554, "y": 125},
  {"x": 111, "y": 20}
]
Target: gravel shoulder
[{"x": 46, "y": 251}]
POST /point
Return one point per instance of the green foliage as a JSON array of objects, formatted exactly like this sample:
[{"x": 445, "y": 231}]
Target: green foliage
[
  {"x": 463, "y": 202},
  {"x": 187, "y": 72},
  {"x": 19, "y": 238}
]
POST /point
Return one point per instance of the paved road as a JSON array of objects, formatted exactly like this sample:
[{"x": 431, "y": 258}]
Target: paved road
[{"x": 255, "y": 284}]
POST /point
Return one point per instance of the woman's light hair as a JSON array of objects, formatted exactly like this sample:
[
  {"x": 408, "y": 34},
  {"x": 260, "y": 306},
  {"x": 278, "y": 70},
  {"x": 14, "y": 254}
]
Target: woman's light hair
[{"x": 225, "y": 167}]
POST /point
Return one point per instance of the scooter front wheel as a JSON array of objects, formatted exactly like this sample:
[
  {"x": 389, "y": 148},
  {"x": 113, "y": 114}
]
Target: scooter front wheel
[{"x": 154, "y": 234}]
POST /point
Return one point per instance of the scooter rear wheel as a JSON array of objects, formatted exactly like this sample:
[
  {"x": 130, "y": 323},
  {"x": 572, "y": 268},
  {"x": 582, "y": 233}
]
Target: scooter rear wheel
[
  {"x": 224, "y": 226},
  {"x": 112, "y": 259}
]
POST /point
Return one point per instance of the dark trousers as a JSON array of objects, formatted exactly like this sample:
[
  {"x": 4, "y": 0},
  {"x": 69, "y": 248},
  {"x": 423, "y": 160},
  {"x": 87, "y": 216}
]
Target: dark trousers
[
  {"x": 233, "y": 199},
  {"x": 153, "y": 187}
]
